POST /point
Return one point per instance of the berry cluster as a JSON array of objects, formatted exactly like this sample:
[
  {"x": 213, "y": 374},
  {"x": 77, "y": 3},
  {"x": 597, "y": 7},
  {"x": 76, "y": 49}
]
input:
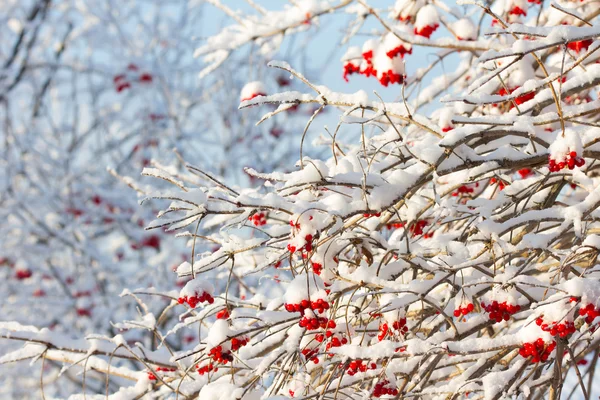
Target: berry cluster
[
  {"x": 537, "y": 350},
  {"x": 193, "y": 301},
  {"x": 206, "y": 369},
  {"x": 308, "y": 247},
  {"x": 237, "y": 344},
  {"x": 590, "y": 312},
  {"x": 580, "y": 45},
  {"x": 356, "y": 366},
  {"x": 152, "y": 377},
  {"x": 316, "y": 323},
  {"x": 223, "y": 314},
  {"x": 400, "y": 50},
  {"x": 398, "y": 326},
  {"x": 562, "y": 329},
  {"x": 258, "y": 219},
  {"x": 571, "y": 161},
  {"x": 122, "y": 82},
  {"x": 152, "y": 241},
  {"x": 464, "y": 189},
  {"x": 381, "y": 389},
  {"x": 426, "y": 30},
  {"x": 311, "y": 354},
  {"x": 21, "y": 274},
  {"x": 219, "y": 355},
  {"x": 391, "y": 77},
  {"x": 417, "y": 228},
  {"x": 464, "y": 310},
  {"x": 369, "y": 215},
  {"x": 367, "y": 68},
  {"x": 319, "y": 305},
  {"x": 317, "y": 268},
  {"x": 500, "y": 311},
  {"x": 501, "y": 184},
  {"x": 524, "y": 172},
  {"x": 519, "y": 99}
]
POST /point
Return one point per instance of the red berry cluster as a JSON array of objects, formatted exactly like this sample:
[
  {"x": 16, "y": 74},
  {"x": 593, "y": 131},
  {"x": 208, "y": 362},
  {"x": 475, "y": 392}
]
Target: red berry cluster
[
  {"x": 237, "y": 344},
  {"x": 381, "y": 389},
  {"x": 223, "y": 314},
  {"x": 399, "y": 51},
  {"x": 516, "y": 10},
  {"x": 152, "y": 377},
  {"x": 572, "y": 161},
  {"x": 258, "y": 219},
  {"x": 21, "y": 274},
  {"x": 319, "y": 305},
  {"x": 350, "y": 69},
  {"x": 580, "y": 46},
  {"x": 206, "y": 369},
  {"x": 537, "y": 350},
  {"x": 391, "y": 77},
  {"x": 519, "y": 99},
  {"x": 316, "y": 323},
  {"x": 590, "y": 312},
  {"x": 426, "y": 30},
  {"x": 121, "y": 82},
  {"x": 356, "y": 366},
  {"x": 369, "y": 215},
  {"x": 308, "y": 247},
  {"x": 152, "y": 241},
  {"x": 219, "y": 355},
  {"x": 395, "y": 225},
  {"x": 417, "y": 228},
  {"x": 398, "y": 326},
  {"x": 524, "y": 172},
  {"x": 464, "y": 189},
  {"x": 464, "y": 310},
  {"x": 562, "y": 329},
  {"x": 311, "y": 354},
  {"x": 317, "y": 268},
  {"x": 500, "y": 311},
  {"x": 84, "y": 312},
  {"x": 193, "y": 301},
  {"x": 501, "y": 184},
  {"x": 387, "y": 77}
]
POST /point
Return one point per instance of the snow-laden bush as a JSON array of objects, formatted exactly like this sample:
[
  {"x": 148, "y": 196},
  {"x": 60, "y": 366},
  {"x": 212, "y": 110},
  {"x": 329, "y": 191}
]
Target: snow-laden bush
[{"x": 444, "y": 246}]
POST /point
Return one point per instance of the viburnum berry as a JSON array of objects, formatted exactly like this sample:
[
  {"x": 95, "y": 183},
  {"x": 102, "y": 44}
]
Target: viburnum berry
[
  {"x": 356, "y": 366},
  {"x": 464, "y": 310},
  {"x": 398, "y": 328},
  {"x": 519, "y": 99},
  {"x": 590, "y": 312},
  {"x": 538, "y": 350},
  {"x": 464, "y": 189},
  {"x": 318, "y": 305},
  {"x": 381, "y": 389},
  {"x": 317, "y": 267},
  {"x": 146, "y": 77},
  {"x": 501, "y": 183},
  {"x": 220, "y": 356},
  {"x": 417, "y": 227},
  {"x": 571, "y": 161},
  {"x": 258, "y": 219},
  {"x": 21, "y": 274},
  {"x": 193, "y": 301},
  {"x": 562, "y": 329},
  {"x": 223, "y": 314},
  {"x": 580, "y": 45},
  {"x": 206, "y": 369},
  {"x": 500, "y": 311},
  {"x": 525, "y": 172}
]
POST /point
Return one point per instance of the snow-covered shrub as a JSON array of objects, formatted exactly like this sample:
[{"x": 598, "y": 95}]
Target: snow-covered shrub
[{"x": 440, "y": 245}]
